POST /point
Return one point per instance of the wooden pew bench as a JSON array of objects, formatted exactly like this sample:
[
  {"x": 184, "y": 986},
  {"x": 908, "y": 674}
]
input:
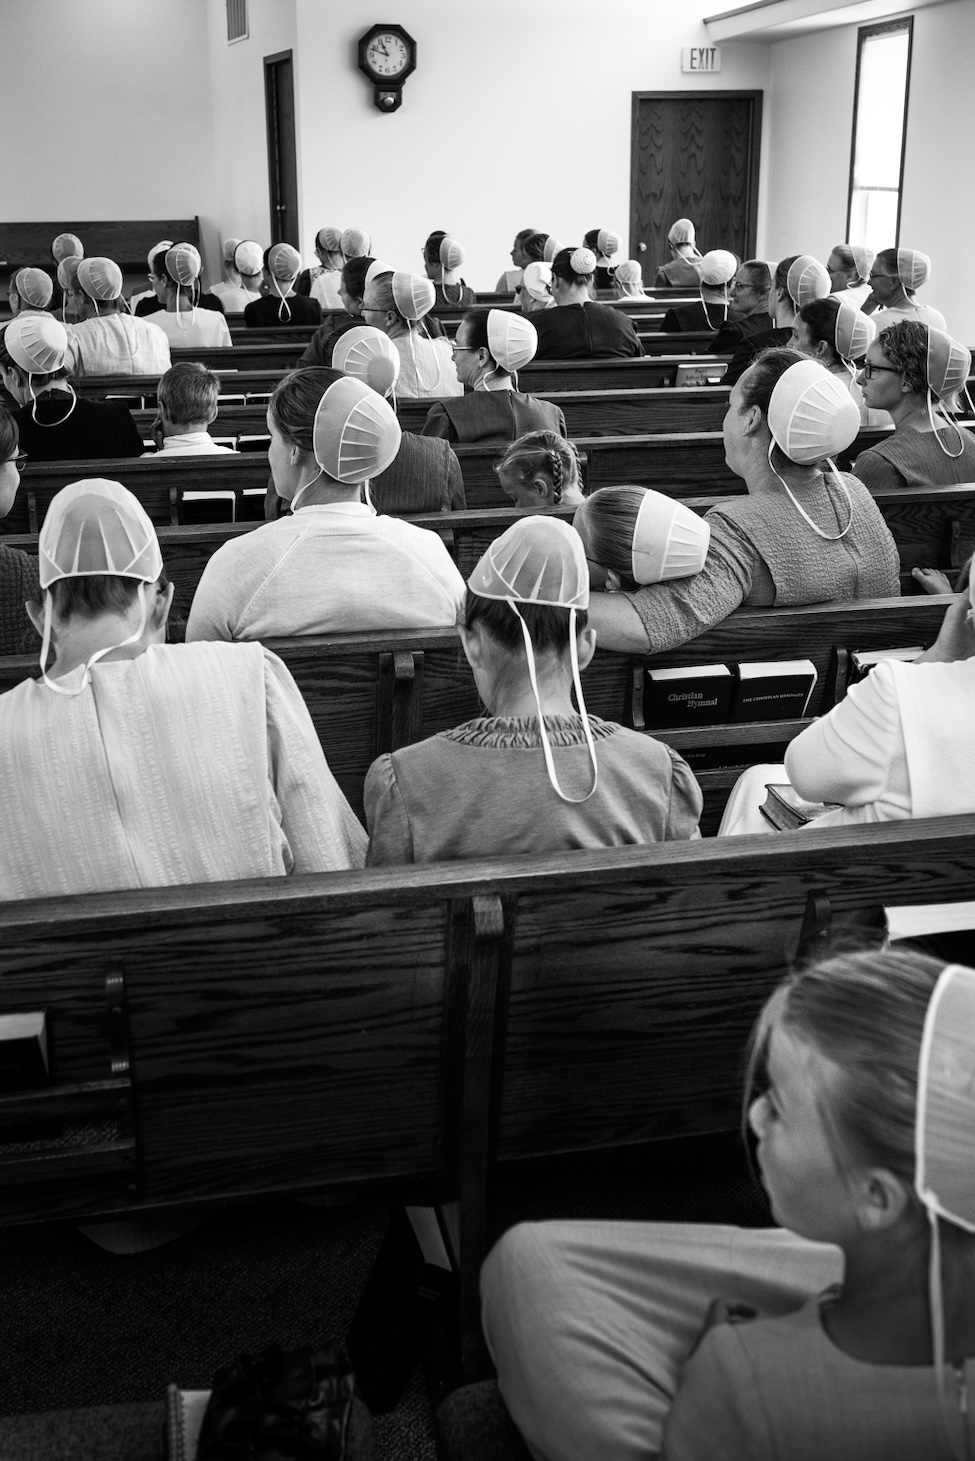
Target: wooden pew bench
[
  {"x": 416, "y": 1029},
  {"x": 125, "y": 240}
]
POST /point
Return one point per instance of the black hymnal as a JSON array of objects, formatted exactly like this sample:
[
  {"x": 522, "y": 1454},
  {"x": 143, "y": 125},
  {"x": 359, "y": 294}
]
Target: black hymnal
[
  {"x": 862, "y": 661},
  {"x": 779, "y": 690},
  {"x": 786, "y": 810},
  {"x": 23, "y": 1051},
  {"x": 690, "y": 696}
]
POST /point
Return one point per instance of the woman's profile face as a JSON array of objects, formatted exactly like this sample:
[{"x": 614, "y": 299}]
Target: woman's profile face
[
  {"x": 518, "y": 255},
  {"x": 9, "y": 479},
  {"x": 736, "y": 442},
  {"x": 881, "y": 384},
  {"x": 802, "y": 337},
  {"x": 352, "y": 305}
]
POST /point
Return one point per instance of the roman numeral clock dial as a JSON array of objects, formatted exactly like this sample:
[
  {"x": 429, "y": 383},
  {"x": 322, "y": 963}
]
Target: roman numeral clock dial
[{"x": 387, "y": 55}]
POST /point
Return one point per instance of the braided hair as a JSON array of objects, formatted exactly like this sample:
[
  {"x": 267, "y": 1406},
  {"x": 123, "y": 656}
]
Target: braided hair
[{"x": 538, "y": 450}]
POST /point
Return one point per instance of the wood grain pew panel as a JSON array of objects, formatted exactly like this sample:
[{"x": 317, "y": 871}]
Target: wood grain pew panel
[
  {"x": 640, "y": 411},
  {"x": 126, "y": 240}
]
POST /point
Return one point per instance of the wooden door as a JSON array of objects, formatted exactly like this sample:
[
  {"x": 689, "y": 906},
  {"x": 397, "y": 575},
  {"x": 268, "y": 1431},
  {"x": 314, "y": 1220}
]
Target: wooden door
[
  {"x": 695, "y": 154},
  {"x": 282, "y": 166}
]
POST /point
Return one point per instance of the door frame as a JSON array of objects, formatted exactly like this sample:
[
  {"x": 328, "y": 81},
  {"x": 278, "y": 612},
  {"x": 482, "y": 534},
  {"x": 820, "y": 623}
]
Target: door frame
[
  {"x": 753, "y": 172},
  {"x": 275, "y": 182}
]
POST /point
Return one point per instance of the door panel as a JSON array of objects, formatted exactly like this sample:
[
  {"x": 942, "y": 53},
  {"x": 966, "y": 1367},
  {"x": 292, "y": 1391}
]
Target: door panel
[
  {"x": 282, "y": 164},
  {"x": 694, "y": 155}
]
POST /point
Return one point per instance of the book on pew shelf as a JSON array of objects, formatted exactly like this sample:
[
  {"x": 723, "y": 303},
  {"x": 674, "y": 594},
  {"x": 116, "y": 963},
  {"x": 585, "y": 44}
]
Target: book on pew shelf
[
  {"x": 700, "y": 375},
  {"x": 862, "y": 661},
  {"x": 185, "y": 1410},
  {"x": 408, "y": 1285},
  {"x": 690, "y": 695},
  {"x": 778, "y": 690},
  {"x": 23, "y": 1051},
  {"x": 786, "y": 810}
]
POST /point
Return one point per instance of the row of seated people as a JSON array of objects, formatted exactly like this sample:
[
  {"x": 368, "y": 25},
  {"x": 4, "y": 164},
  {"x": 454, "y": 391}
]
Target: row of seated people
[{"x": 805, "y": 535}]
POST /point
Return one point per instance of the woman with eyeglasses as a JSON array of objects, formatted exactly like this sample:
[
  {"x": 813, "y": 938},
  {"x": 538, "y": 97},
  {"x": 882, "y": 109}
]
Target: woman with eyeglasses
[
  {"x": 748, "y": 307},
  {"x": 914, "y": 373},
  {"x": 490, "y": 347},
  {"x": 895, "y": 276},
  {"x": 18, "y": 570}
]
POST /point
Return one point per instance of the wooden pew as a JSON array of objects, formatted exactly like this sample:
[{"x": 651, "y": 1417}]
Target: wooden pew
[
  {"x": 125, "y": 240},
  {"x": 416, "y": 1029}
]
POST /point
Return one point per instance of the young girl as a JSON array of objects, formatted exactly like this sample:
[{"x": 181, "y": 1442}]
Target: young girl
[
  {"x": 635, "y": 536},
  {"x": 847, "y": 1332},
  {"x": 540, "y": 470}
]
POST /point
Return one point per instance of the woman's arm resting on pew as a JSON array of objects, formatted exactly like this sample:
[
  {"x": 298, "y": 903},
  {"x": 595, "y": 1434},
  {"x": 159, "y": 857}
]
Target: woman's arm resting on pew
[{"x": 665, "y": 615}]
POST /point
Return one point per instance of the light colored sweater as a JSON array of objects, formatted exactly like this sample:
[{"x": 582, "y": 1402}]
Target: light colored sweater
[
  {"x": 117, "y": 344},
  {"x": 327, "y": 569}
]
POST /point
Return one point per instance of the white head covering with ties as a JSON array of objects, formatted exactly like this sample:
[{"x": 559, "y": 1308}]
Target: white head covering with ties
[
  {"x": 811, "y": 416},
  {"x": 414, "y": 296},
  {"x": 807, "y": 280},
  {"x": 913, "y": 268},
  {"x": 536, "y": 280},
  {"x": 368, "y": 355},
  {"x": 512, "y": 339}
]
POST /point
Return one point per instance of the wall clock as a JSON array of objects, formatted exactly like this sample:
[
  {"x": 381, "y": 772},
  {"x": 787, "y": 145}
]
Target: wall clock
[{"x": 387, "y": 55}]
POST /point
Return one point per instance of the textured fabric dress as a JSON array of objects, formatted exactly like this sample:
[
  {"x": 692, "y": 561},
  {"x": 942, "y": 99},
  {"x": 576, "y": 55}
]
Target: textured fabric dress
[
  {"x": 680, "y": 273},
  {"x": 733, "y": 332},
  {"x": 263, "y": 313},
  {"x": 18, "y": 583},
  {"x": 186, "y": 764},
  {"x": 326, "y": 569},
  {"x": 194, "y": 329},
  {"x": 117, "y": 344},
  {"x": 426, "y": 367},
  {"x": 496, "y": 417},
  {"x": 752, "y": 346},
  {"x": 481, "y": 790},
  {"x": 909, "y": 458},
  {"x": 763, "y": 553},
  {"x": 425, "y": 476}
]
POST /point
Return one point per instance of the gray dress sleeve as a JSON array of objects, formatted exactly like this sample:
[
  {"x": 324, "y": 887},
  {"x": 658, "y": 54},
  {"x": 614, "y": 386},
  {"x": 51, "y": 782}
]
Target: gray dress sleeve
[
  {"x": 390, "y": 835},
  {"x": 674, "y": 612}
]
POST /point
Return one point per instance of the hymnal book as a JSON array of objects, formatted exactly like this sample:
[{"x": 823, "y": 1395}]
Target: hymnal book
[
  {"x": 862, "y": 661},
  {"x": 690, "y": 696},
  {"x": 778, "y": 690},
  {"x": 23, "y": 1051},
  {"x": 785, "y": 809},
  {"x": 700, "y": 375},
  {"x": 185, "y": 1410}
]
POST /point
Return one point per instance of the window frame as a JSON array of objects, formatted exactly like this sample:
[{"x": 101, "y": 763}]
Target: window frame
[{"x": 866, "y": 33}]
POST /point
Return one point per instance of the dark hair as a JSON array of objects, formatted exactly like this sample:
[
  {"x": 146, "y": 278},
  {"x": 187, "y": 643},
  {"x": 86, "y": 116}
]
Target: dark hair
[
  {"x": 94, "y": 594},
  {"x": 9, "y": 433},
  {"x": 820, "y": 316},
  {"x": 382, "y": 287},
  {"x": 431, "y": 249},
  {"x": 764, "y": 374},
  {"x": 542, "y": 451},
  {"x": 845, "y": 255},
  {"x": 157, "y": 263},
  {"x": 189, "y": 392},
  {"x": 533, "y": 247},
  {"x": 9, "y": 363},
  {"x": 525, "y": 233},
  {"x": 905, "y": 345},
  {"x": 759, "y": 267},
  {"x": 610, "y": 516},
  {"x": 888, "y": 257},
  {"x": 562, "y": 268},
  {"x": 476, "y": 322},
  {"x": 782, "y": 273},
  {"x": 591, "y": 240},
  {"x": 295, "y": 401},
  {"x": 354, "y": 275},
  {"x": 548, "y": 627}
]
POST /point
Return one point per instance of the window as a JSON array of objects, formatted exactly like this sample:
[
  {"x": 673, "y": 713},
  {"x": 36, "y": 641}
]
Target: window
[
  {"x": 879, "y": 128},
  {"x": 236, "y": 20}
]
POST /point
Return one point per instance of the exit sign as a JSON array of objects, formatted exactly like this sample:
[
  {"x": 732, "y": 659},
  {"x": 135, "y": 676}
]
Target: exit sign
[{"x": 700, "y": 58}]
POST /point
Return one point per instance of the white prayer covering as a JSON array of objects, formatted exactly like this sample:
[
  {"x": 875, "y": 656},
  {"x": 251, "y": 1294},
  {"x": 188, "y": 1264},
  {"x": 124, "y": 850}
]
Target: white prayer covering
[
  {"x": 118, "y": 344},
  {"x": 188, "y": 764}
]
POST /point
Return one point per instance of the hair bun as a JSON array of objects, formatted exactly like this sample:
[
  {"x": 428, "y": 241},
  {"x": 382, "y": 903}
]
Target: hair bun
[{"x": 582, "y": 261}]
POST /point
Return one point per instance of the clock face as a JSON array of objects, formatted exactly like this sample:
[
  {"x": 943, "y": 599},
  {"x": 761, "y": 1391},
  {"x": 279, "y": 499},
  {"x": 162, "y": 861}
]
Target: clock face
[{"x": 387, "y": 55}]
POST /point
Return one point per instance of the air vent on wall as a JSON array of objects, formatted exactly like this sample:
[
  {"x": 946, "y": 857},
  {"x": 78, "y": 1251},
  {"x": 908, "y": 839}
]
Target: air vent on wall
[{"x": 236, "y": 20}]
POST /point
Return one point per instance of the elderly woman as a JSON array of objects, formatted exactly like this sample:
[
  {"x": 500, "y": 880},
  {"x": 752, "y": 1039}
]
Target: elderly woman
[
  {"x": 682, "y": 271},
  {"x": 490, "y": 347},
  {"x": 55, "y": 424},
  {"x": 225, "y": 774},
  {"x": 578, "y": 328},
  {"x": 523, "y": 777},
  {"x": 334, "y": 565},
  {"x": 910, "y": 370},
  {"x": 797, "y": 280},
  {"x": 396, "y": 304},
  {"x": 18, "y": 570},
  {"x": 803, "y": 534},
  {"x": 848, "y": 267},
  {"x": 895, "y": 277}
]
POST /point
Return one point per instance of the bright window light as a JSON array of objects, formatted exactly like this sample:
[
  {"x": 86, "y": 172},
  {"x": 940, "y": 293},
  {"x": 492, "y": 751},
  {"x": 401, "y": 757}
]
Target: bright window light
[{"x": 883, "y": 70}]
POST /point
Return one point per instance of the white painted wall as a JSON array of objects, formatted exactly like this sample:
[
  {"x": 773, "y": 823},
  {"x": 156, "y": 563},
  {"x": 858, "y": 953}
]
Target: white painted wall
[
  {"x": 517, "y": 116},
  {"x": 107, "y": 111},
  {"x": 811, "y": 101},
  {"x": 236, "y": 76}
]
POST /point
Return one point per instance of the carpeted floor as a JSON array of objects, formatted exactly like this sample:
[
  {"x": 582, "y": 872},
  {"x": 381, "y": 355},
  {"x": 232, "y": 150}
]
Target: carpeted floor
[{"x": 83, "y": 1327}]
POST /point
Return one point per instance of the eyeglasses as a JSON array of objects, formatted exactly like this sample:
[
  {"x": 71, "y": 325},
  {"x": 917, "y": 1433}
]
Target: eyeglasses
[
  {"x": 19, "y": 461},
  {"x": 738, "y": 288},
  {"x": 869, "y": 370},
  {"x": 455, "y": 348}
]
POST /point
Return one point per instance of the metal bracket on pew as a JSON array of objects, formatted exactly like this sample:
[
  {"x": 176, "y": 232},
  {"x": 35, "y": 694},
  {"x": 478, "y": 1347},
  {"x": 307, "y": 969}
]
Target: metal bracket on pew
[
  {"x": 399, "y": 708},
  {"x": 817, "y": 922},
  {"x": 78, "y": 1137}
]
